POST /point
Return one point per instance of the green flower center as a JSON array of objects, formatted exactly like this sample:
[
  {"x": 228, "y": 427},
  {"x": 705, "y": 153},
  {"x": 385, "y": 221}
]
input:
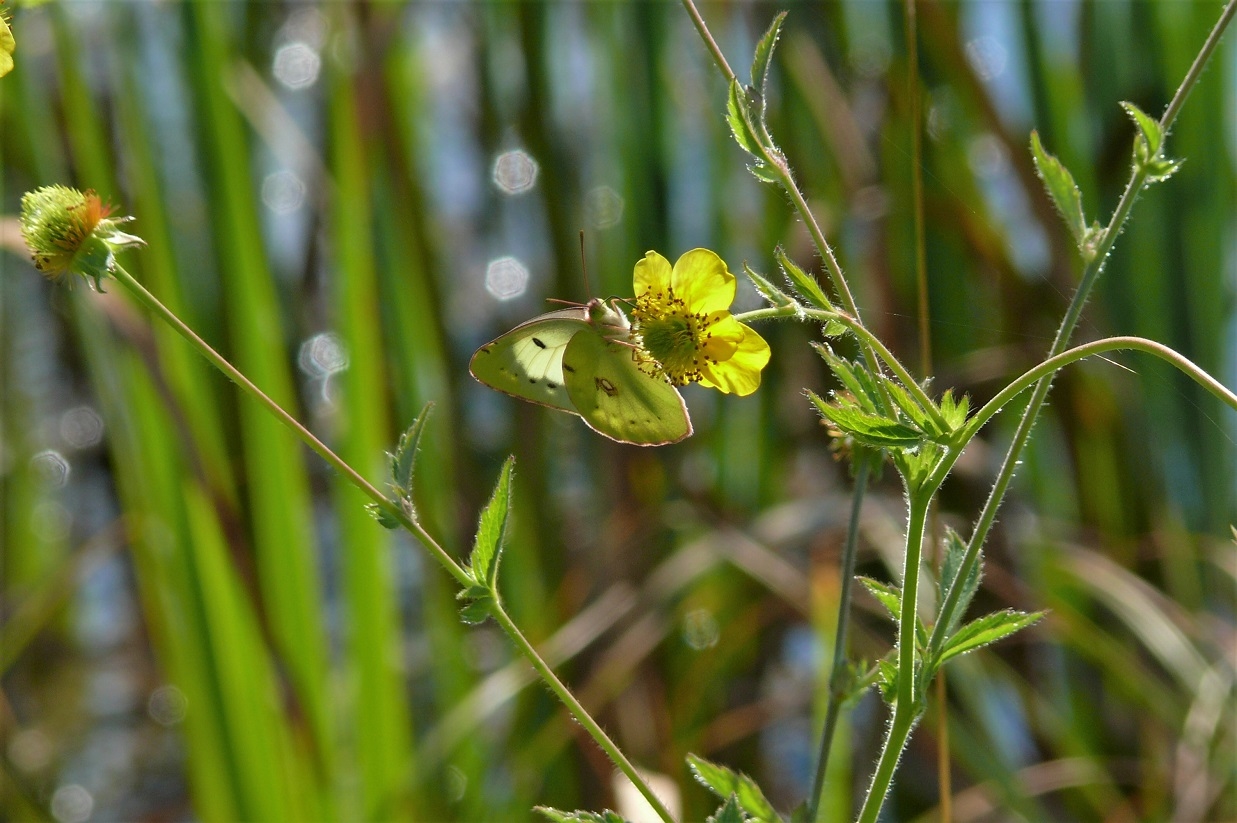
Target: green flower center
[{"x": 672, "y": 338}]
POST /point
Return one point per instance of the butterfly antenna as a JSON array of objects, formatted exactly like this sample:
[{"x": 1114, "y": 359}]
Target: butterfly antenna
[{"x": 584, "y": 266}]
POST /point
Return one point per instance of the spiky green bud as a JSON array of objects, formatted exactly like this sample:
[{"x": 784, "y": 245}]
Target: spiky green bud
[{"x": 70, "y": 232}]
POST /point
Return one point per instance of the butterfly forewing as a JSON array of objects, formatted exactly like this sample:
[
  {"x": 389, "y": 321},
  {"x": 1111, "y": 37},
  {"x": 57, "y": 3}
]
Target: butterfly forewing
[
  {"x": 527, "y": 362},
  {"x": 618, "y": 400}
]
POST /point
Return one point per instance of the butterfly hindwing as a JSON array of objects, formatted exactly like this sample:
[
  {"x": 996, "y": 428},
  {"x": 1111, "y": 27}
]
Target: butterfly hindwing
[
  {"x": 527, "y": 362},
  {"x": 616, "y": 398}
]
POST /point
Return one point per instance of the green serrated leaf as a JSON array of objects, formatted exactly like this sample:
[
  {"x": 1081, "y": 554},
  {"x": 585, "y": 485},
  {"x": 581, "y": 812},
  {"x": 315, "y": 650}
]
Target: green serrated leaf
[
  {"x": 764, "y": 58},
  {"x": 1148, "y": 127},
  {"x": 384, "y": 518},
  {"x": 955, "y": 410},
  {"x": 985, "y": 630},
  {"x": 1061, "y": 188},
  {"x": 955, "y": 551},
  {"x": 889, "y": 596},
  {"x": 728, "y": 812},
  {"x": 724, "y": 782},
  {"x": 801, "y": 281},
  {"x": 845, "y": 372},
  {"x": 403, "y": 459},
  {"x": 738, "y": 116},
  {"x": 558, "y": 816},
  {"x": 910, "y": 407},
  {"x": 772, "y": 294},
  {"x": 869, "y": 429},
  {"x": 492, "y": 529}
]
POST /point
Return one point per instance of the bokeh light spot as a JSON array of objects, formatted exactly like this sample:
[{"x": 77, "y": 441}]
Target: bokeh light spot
[
  {"x": 167, "y": 705},
  {"x": 515, "y": 172},
  {"x": 72, "y": 804},
  {"x": 51, "y": 469},
  {"x": 506, "y": 278},
  {"x": 986, "y": 56},
  {"x": 283, "y": 192},
  {"x": 296, "y": 65},
  {"x": 81, "y": 427},
  {"x": 323, "y": 355},
  {"x": 700, "y": 630},
  {"x": 603, "y": 207},
  {"x": 30, "y": 750}
]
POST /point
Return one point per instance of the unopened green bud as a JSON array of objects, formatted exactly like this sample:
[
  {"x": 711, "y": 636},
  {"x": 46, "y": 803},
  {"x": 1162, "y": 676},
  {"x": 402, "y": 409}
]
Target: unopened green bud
[{"x": 70, "y": 232}]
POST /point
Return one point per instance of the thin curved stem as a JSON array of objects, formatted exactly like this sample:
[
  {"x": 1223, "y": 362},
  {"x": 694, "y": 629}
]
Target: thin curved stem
[
  {"x": 578, "y": 711},
  {"x": 308, "y": 437},
  {"x": 837, "y": 673},
  {"x": 1091, "y": 272}
]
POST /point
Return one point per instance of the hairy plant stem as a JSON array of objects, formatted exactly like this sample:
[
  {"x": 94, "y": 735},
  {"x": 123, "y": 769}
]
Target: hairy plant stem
[
  {"x": 837, "y": 671},
  {"x": 578, "y": 711},
  {"x": 440, "y": 554},
  {"x": 908, "y": 706},
  {"x": 1091, "y": 273}
]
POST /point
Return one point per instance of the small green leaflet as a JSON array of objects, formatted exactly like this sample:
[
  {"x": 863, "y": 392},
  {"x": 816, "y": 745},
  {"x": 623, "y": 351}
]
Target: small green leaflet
[
  {"x": 801, "y": 281},
  {"x": 403, "y": 463},
  {"x": 763, "y": 58},
  {"x": 774, "y": 296},
  {"x": 1148, "y": 126},
  {"x": 955, "y": 551},
  {"x": 492, "y": 530},
  {"x": 726, "y": 783},
  {"x": 987, "y": 629},
  {"x": 1148, "y": 144},
  {"x": 1061, "y": 188}
]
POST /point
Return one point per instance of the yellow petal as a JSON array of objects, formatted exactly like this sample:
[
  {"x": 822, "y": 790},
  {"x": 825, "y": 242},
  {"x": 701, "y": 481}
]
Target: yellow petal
[
  {"x": 724, "y": 335},
  {"x": 652, "y": 274},
  {"x": 741, "y": 373},
  {"x": 702, "y": 281}
]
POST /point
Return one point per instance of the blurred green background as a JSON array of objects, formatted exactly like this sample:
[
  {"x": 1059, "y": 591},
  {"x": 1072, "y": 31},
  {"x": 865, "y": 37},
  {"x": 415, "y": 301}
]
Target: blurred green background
[{"x": 201, "y": 622}]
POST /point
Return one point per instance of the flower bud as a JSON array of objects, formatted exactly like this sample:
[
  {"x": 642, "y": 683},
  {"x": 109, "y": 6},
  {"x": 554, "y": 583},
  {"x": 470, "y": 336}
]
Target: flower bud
[{"x": 69, "y": 232}]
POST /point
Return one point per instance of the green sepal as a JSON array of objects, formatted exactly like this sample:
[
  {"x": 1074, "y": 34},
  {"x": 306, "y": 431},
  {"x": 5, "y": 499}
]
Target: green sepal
[
  {"x": 558, "y": 816},
  {"x": 492, "y": 530},
  {"x": 987, "y": 629},
  {"x": 763, "y": 58},
  {"x": 774, "y": 296},
  {"x": 1061, "y": 188},
  {"x": 725, "y": 783},
  {"x": 834, "y": 328},
  {"x": 801, "y": 281},
  {"x": 728, "y": 812},
  {"x": 478, "y": 604}
]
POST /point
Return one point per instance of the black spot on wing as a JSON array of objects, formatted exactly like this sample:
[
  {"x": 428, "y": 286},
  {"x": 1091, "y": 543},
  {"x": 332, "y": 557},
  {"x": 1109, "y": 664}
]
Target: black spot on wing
[
  {"x": 568, "y": 368},
  {"x": 538, "y": 342},
  {"x": 552, "y": 385}
]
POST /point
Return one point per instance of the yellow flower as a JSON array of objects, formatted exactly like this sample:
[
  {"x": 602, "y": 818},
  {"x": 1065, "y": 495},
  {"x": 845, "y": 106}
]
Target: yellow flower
[{"x": 684, "y": 326}]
